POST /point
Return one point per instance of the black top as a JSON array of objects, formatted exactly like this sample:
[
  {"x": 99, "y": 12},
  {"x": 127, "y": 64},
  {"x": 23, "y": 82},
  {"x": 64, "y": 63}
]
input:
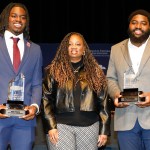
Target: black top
[{"x": 77, "y": 118}]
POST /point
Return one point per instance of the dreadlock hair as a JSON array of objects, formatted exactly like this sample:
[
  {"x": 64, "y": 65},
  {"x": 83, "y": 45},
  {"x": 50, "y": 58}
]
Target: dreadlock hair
[
  {"x": 4, "y": 17},
  {"x": 60, "y": 67}
]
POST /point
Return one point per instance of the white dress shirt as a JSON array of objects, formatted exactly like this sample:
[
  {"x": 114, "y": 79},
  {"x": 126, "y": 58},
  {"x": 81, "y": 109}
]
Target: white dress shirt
[
  {"x": 9, "y": 44},
  {"x": 136, "y": 54}
]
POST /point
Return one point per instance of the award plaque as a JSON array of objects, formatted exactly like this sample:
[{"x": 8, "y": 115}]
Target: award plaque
[
  {"x": 130, "y": 92},
  {"x": 15, "y": 103}
]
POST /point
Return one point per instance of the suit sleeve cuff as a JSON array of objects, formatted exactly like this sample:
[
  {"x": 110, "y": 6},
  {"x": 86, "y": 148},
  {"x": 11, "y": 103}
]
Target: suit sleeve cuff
[{"x": 37, "y": 108}]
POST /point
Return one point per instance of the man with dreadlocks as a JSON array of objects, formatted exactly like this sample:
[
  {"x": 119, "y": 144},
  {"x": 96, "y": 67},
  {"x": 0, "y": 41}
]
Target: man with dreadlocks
[
  {"x": 75, "y": 98},
  {"x": 18, "y": 132}
]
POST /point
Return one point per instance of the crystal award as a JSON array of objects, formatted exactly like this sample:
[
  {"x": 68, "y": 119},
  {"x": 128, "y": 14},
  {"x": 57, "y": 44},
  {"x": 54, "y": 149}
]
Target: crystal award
[
  {"x": 15, "y": 102},
  {"x": 130, "y": 92}
]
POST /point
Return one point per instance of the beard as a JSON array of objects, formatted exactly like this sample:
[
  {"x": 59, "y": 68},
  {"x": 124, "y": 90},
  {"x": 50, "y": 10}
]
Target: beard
[{"x": 140, "y": 39}]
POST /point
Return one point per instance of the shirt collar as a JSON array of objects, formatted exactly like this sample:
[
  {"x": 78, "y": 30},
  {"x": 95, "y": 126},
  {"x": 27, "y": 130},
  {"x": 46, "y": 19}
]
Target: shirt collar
[{"x": 8, "y": 35}]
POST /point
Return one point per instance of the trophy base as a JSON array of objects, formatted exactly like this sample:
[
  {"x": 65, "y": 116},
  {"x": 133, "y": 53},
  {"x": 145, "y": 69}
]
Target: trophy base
[
  {"x": 131, "y": 95},
  {"x": 14, "y": 110}
]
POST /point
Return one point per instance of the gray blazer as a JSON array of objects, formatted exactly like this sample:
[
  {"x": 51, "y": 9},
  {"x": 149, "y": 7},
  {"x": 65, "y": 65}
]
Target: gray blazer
[{"x": 119, "y": 63}]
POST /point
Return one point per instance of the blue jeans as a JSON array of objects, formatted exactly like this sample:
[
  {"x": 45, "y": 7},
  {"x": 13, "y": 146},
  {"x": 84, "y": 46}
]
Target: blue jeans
[{"x": 134, "y": 139}]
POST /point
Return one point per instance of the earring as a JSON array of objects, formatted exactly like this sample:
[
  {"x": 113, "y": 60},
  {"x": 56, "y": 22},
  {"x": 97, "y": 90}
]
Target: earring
[{"x": 83, "y": 53}]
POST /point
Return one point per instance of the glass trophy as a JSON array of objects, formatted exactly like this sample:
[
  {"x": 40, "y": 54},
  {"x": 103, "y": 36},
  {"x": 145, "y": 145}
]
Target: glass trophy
[
  {"x": 15, "y": 103},
  {"x": 130, "y": 92}
]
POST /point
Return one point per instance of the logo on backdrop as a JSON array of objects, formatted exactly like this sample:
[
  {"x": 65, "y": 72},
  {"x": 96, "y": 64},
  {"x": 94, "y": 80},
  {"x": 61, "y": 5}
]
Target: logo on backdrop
[
  {"x": 101, "y": 52},
  {"x": 102, "y": 56}
]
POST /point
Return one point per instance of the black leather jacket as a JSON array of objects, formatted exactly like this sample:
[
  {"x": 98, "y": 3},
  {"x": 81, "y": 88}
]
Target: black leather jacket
[{"x": 61, "y": 100}]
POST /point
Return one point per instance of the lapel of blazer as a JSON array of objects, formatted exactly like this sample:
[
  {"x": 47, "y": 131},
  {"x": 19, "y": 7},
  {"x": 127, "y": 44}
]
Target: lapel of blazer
[
  {"x": 125, "y": 51},
  {"x": 145, "y": 57},
  {"x": 5, "y": 53},
  {"x": 27, "y": 46}
]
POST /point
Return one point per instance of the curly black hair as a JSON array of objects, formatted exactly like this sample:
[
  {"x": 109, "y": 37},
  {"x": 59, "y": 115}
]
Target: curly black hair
[{"x": 141, "y": 12}]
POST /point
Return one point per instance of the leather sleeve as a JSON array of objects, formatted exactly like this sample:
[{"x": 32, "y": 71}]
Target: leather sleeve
[
  {"x": 48, "y": 100},
  {"x": 104, "y": 113}
]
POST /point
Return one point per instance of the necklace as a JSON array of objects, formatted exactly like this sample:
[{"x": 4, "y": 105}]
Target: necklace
[
  {"x": 76, "y": 66},
  {"x": 76, "y": 70}
]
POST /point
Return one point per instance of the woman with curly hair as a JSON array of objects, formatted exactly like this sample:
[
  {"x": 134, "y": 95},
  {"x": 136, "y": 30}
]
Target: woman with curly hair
[{"x": 75, "y": 98}]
